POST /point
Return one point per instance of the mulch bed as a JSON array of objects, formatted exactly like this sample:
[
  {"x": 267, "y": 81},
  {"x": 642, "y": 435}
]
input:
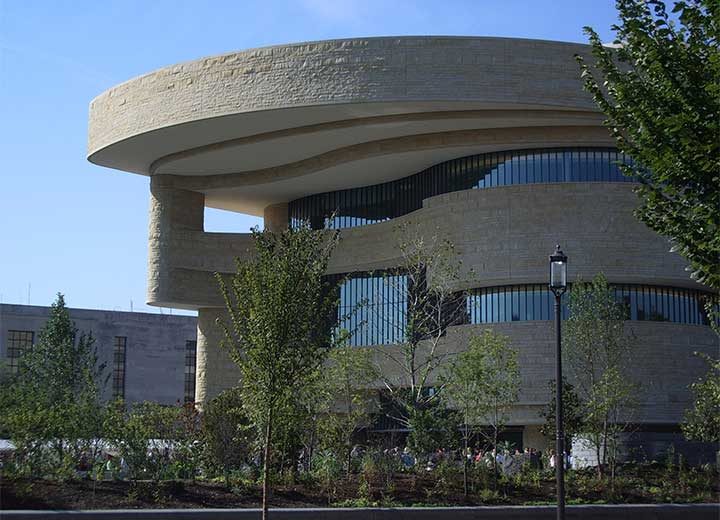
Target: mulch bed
[
  {"x": 86, "y": 494},
  {"x": 405, "y": 489}
]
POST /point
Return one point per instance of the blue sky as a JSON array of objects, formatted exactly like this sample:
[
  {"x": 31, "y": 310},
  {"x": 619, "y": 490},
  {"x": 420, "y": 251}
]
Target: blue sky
[{"x": 67, "y": 225}]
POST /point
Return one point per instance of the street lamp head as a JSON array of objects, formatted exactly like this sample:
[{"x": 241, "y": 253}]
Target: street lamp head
[{"x": 558, "y": 271}]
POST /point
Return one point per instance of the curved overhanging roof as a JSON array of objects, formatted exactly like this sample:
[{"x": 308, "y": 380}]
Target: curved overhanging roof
[{"x": 268, "y": 125}]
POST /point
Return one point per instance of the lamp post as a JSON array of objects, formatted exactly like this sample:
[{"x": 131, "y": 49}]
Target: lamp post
[{"x": 558, "y": 285}]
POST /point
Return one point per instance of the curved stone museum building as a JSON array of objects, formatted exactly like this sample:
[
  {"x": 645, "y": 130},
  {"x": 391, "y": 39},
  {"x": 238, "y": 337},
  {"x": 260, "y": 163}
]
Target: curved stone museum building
[{"x": 489, "y": 142}]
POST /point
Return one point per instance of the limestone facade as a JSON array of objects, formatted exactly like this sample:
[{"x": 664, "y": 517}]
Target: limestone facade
[{"x": 254, "y": 130}]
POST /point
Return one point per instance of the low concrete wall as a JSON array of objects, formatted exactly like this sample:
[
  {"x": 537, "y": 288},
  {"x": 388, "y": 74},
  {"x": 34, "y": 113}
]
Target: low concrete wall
[{"x": 636, "y": 512}]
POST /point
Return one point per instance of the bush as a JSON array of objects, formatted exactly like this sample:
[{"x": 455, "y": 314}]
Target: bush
[
  {"x": 491, "y": 496},
  {"x": 481, "y": 475},
  {"x": 226, "y": 435},
  {"x": 144, "y": 438},
  {"x": 528, "y": 476},
  {"x": 326, "y": 470},
  {"x": 448, "y": 478}
]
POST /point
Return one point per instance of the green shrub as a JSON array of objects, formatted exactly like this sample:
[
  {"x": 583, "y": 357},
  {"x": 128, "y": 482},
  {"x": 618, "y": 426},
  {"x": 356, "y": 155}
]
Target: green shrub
[
  {"x": 226, "y": 436},
  {"x": 356, "y": 502},
  {"x": 448, "y": 478},
  {"x": 527, "y": 477},
  {"x": 481, "y": 476},
  {"x": 326, "y": 470},
  {"x": 491, "y": 496}
]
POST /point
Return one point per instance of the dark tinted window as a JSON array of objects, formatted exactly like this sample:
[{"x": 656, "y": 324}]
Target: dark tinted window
[
  {"x": 373, "y": 307},
  {"x": 371, "y": 204},
  {"x": 535, "y": 302}
]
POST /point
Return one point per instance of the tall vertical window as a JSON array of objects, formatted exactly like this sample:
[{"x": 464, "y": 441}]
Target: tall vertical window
[
  {"x": 373, "y": 307},
  {"x": 18, "y": 341},
  {"x": 119, "y": 355},
  {"x": 190, "y": 363}
]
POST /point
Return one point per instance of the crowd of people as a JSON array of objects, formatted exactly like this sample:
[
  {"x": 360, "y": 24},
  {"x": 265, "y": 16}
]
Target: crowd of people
[{"x": 508, "y": 461}]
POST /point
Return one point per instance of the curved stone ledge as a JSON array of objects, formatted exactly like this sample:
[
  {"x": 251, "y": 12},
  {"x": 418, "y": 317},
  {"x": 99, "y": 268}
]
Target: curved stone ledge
[
  {"x": 506, "y": 233},
  {"x": 493, "y": 139},
  {"x": 484, "y": 71},
  {"x": 323, "y": 137},
  {"x": 503, "y": 234},
  {"x": 663, "y": 363}
]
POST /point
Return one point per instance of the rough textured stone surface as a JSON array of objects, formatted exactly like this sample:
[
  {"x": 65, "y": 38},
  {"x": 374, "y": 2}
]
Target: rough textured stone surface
[
  {"x": 495, "y": 71},
  {"x": 276, "y": 217},
  {"x": 504, "y": 234},
  {"x": 181, "y": 257},
  {"x": 215, "y": 370}
]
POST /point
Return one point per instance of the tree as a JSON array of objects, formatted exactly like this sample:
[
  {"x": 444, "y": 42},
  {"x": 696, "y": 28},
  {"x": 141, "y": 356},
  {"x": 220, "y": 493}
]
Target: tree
[
  {"x": 54, "y": 399},
  {"x": 281, "y": 315},
  {"x": 430, "y": 270},
  {"x": 573, "y": 412},
  {"x": 226, "y": 434},
  {"x": 297, "y": 424},
  {"x": 483, "y": 383},
  {"x": 702, "y": 421},
  {"x": 187, "y": 448},
  {"x": 597, "y": 350},
  {"x": 346, "y": 379},
  {"x": 433, "y": 425},
  {"x": 660, "y": 93}
]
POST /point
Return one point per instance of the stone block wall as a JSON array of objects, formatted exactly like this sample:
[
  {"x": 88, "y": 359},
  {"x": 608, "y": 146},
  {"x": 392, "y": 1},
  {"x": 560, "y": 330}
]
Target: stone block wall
[
  {"x": 155, "y": 348},
  {"x": 504, "y": 234}
]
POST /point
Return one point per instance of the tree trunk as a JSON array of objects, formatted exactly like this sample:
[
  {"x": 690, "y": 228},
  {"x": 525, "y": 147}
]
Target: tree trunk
[
  {"x": 266, "y": 465},
  {"x": 604, "y": 447},
  {"x": 60, "y": 452},
  {"x": 465, "y": 464},
  {"x": 348, "y": 447},
  {"x": 495, "y": 455},
  {"x": 611, "y": 463},
  {"x": 348, "y": 457},
  {"x": 311, "y": 451}
]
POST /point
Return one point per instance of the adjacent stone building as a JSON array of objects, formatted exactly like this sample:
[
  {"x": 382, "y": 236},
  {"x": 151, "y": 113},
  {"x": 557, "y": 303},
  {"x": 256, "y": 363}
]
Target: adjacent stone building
[
  {"x": 489, "y": 142},
  {"x": 147, "y": 357}
]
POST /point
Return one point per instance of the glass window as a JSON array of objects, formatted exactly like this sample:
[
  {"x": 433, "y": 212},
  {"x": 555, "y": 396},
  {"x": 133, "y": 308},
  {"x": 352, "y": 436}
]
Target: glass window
[
  {"x": 190, "y": 369},
  {"x": 372, "y": 308},
  {"x": 18, "y": 341},
  {"x": 119, "y": 356},
  {"x": 523, "y": 297},
  {"x": 376, "y": 203},
  {"x": 535, "y": 302}
]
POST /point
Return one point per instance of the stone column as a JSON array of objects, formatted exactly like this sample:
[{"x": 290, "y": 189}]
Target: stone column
[
  {"x": 215, "y": 370},
  {"x": 276, "y": 217},
  {"x": 175, "y": 216}
]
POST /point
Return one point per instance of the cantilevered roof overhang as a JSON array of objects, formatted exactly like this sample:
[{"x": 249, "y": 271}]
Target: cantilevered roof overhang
[{"x": 269, "y": 125}]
